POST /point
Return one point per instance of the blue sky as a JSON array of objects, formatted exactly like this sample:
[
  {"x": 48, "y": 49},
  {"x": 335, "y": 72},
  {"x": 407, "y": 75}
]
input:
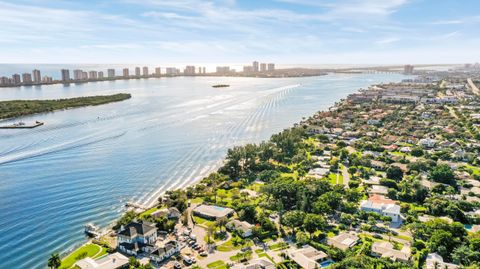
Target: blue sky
[{"x": 236, "y": 31}]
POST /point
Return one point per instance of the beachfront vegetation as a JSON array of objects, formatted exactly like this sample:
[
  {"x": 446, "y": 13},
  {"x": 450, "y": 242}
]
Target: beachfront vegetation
[
  {"x": 88, "y": 250},
  {"x": 18, "y": 108}
]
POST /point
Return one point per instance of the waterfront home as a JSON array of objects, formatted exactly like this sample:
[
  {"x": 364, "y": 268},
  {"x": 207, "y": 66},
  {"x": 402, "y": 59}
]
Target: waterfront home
[
  {"x": 162, "y": 253},
  {"x": 382, "y": 206},
  {"x": 213, "y": 212},
  {"x": 137, "y": 237},
  {"x": 435, "y": 261},
  {"x": 344, "y": 240},
  {"x": 307, "y": 257},
  {"x": 386, "y": 250},
  {"x": 171, "y": 213},
  {"x": 111, "y": 261},
  {"x": 244, "y": 228},
  {"x": 260, "y": 263}
]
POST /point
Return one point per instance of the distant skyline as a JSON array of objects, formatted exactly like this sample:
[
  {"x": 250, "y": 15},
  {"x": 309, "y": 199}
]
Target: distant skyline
[{"x": 223, "y": 31}]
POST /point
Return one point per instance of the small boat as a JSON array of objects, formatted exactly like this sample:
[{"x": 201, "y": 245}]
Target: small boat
[
  {"x": 22, "y": 125},
  {"x": 221, "y": 86},
  {"x": 91, "y": 230}
]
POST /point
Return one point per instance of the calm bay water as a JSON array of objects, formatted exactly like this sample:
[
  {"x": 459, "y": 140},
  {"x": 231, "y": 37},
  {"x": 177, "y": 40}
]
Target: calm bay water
[{"x": 84, "y": 164}]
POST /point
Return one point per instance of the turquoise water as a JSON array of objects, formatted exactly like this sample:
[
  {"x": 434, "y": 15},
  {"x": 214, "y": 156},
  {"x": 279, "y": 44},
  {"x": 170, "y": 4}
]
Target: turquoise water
[{"x": 84, "y": 164}]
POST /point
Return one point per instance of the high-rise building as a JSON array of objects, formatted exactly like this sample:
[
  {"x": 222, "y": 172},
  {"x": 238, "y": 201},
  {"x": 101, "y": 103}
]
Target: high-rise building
[
  {"x": 408, "y": 69},
  {"x": 248, "y": 69},
  {"x": 37, "y": 78},
  {"x": 223, "y": 69},
  {"x": 16, "y": 80},
  {"x": 158, "y": 71},
  {"x": 84, "y": 75},
  {"x": 27, "y": 78},
  {"x": 126, "y": 73},
  {"x": 4, "y": 81},
  {"x": 255, "y": 66},
  {"x": 100, "y": 74},
  {"x": 145, "y": 71},
  {"x": 271, "y": 67},
  {"x": 93, "y": 74},
  {"x": 189, "y": 70},
  {"x": 263, "y": 67},
  {"x": 204, "y": 70},
  {"x": 65, "y": 75},
  {"x": 77, "y": 74},
  {"x": 172, "y": 71},
  {"x": 137, "y": 71},
  {"x": 111, "y": 73},
  {"x": 47, "y": 79}
]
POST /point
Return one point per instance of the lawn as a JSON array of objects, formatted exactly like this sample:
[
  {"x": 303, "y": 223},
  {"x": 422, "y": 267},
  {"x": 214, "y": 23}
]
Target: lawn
[
  {"x": 261, "y": 255},
  {"x": 197, "y": 200},
  {"x": 278, "y": 246},
  {"x": 229, "y": 245},
  {"x": 333, "y": 178},
  {"x": 148, "y": 212},
  {"x": 217, "y": 265},
  {"x": 201, "y": 221},
  {"x": 241, "y": 256},
  {"x": 89, "y": 250},
  {"x": 475, "y": 170}
]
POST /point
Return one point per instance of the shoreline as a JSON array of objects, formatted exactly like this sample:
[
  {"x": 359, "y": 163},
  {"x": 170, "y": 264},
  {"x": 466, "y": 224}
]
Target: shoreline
[
  {"x": 279, "y": 73},
  {"x": 154, "y": 198}
]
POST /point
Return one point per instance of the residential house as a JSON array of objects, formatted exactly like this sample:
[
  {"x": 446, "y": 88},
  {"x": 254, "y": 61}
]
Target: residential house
[
  {"x": 260, "y": 263},
  {"x": 171, "y": 213},
  {"x": 344, "y": 240},
  {"x": 244, "y": 228},
  {"x": 385, "y": 249},
  {"x": 307, "y": 257},
  {"x": 435, "y": 261},
  {"x": 382, "y": 206},
  {"x": 111, "y": 261},
  {"x": 137, "y": 237},
  {"x": 427, "y": 142},
  {"x": 162, "y": 253}
]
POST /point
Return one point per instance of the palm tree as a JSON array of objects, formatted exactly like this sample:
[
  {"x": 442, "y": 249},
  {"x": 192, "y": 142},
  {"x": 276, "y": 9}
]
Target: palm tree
[{"x": 54, "y": 261}]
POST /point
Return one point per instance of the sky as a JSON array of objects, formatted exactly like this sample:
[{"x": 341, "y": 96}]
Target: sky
[{"x": 238, "y": 31}]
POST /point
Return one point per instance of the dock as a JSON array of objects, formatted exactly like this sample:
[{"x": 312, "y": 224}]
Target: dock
[{"x": 22, "y": 125}]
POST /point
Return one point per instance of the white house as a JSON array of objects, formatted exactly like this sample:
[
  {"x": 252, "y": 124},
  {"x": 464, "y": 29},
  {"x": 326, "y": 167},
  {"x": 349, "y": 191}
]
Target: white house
[
  {"x": 383, "y": 208},
  {"x": 111, "y": 261},
  {"x": 343, "y": 241},
  {"x": 260, "y": 263},
  {"x": 435, "y": 261},
  {"x": 307, "y": 257},
  {"x": 385, "y": 249},
  {"x": 243, "y": 227},
  {"x": 168, "y": 250}
]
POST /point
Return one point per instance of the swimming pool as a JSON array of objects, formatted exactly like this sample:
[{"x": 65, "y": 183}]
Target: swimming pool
[{"x": 326, "y": 263}]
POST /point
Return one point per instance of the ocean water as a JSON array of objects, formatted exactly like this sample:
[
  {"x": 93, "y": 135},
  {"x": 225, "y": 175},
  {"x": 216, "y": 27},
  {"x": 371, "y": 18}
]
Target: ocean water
[{"x": 84, "y": 164}]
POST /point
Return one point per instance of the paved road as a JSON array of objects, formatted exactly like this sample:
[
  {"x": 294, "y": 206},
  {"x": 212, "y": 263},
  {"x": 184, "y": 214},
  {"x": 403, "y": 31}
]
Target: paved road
[
  {"x": 346, "y": 176},
  {"x": 473, "y": 87}
]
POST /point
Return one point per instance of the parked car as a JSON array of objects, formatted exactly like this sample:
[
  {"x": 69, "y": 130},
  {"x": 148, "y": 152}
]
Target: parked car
[
  {"x": 187, "y": 260},
  {"x": 377, "y": 236},
  {"x": 177, "y": 265},
  {"x": 203, "y": 254}
]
